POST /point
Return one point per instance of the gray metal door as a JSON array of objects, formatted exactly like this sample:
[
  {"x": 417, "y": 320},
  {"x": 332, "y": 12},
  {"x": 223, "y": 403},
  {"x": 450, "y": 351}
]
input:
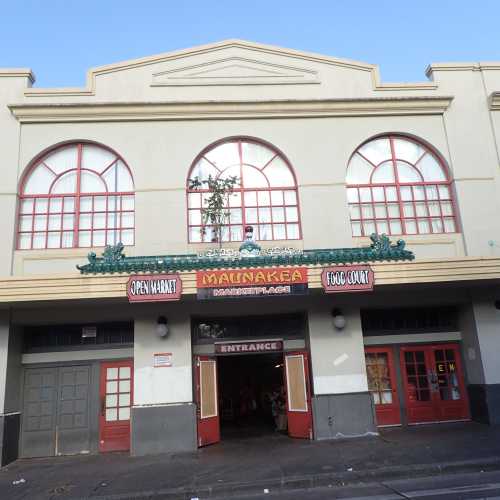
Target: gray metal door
[
  {"x": 72, "y": 430},
  {"x": 55, "y": 418},
  {"x": 39, "y": 410}
]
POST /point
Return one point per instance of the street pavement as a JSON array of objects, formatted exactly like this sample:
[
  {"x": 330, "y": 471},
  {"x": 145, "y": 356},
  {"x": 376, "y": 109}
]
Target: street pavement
[
  {"x": 482, "y": 485},
  {"x": 241, "y": 467}
]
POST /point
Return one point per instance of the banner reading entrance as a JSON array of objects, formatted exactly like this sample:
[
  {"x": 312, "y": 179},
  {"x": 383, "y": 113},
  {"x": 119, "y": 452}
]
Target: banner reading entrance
[
  {"x": 259, "y": 282},
  {"x": 248, "y": 347}
]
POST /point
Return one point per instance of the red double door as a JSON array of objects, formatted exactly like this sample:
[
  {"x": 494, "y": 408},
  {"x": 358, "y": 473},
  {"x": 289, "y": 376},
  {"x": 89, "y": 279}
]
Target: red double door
[
  {"x": 298, "y": 397},
  {"x": 116, "y": 392},
  {"x": 432, "y": 380}
]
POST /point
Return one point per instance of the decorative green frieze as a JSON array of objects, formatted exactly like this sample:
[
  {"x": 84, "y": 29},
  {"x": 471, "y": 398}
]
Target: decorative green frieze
[{"x": 114, "y": 261}]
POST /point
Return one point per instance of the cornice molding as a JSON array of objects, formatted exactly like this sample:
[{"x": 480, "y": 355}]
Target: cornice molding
[
  {"x": 113, "y": 286},
  {"x": 463, "y": 66},
  {"x": 89, "y": 89},
  {"x": 17, "y": 73},
  {"x": 196, "y": 110}
]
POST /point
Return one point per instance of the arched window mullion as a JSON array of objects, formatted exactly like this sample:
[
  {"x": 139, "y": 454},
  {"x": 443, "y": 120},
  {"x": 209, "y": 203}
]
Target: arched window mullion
[
  {"x": 76, "y": 224},
  {"x": 398, "y": 186}
]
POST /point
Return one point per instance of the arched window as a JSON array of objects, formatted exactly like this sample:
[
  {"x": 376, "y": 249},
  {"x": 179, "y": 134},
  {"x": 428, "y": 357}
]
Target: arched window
[
  {"x": 76, "y": 195},
  {"x": 396, "y": 185},
  {"x": 265, "y": 197}
]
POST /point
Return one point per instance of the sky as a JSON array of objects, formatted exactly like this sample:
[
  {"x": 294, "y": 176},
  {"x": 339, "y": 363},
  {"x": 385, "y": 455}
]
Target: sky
[{"x": 61, "y": 39}]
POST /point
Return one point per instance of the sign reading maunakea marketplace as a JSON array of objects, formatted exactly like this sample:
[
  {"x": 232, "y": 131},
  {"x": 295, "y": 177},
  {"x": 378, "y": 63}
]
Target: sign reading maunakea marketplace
[
  {"x": 154, "y": 287},
  {"x": 347, "y": 279},
  {"x": 248, "y": 347},
  {"x": 258, "y": 282}
]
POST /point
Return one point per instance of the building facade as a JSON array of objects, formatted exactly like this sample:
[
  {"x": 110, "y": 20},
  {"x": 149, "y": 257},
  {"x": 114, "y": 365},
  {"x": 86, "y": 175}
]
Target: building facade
[{"x": 169, "y": 330}]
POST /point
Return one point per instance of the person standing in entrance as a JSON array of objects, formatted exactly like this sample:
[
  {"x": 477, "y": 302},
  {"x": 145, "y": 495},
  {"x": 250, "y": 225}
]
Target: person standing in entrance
[{"x": 278, "y": 409}]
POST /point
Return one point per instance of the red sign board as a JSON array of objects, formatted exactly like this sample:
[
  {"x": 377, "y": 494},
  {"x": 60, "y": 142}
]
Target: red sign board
[
  {"x": 154, "y": 287},
  {"x": 256, "y": 282},
  {"x": 347, "y": 279},
  {"x": 249, "y": 347}
]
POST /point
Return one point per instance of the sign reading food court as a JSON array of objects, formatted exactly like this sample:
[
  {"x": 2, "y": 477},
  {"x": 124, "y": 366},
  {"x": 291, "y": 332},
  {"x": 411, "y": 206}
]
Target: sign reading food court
[
  {"x": 257, "y": 282},
  {"x": 347, "y": 279},
  {"x": 154, "y": 287}
]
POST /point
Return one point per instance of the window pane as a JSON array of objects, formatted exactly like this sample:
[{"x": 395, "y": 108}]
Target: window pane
[
  {"x": 449, "y": 225},
  {"x": 99, "y": 221},
  {"x": 66, "y": 183},
  {"x": 278, "y": 173},
  {"x": 67, "y": 239},
  {"x": 236, "y": 216},
  {"x": 421, "y": 209},
  {"x": 235, "y": 200},
  {"x": 367, "y": 211},
  {"x": 27, "y": 206},
  {"x": 377, "y": 150},
  {"x": 25, "y": 223},
  {"x": 407, "y": 150},
  {"x": 40, "y": 222},
  {"x": 224, "y": 155},
  {"x": 195, "y": 234},
  {"x": 406, "y": 193},
  {"x": 236, "y": 233},
  {"x": 378, "y": 193},
  {"x": 251, "y": 215},
  {"x": 84, "y": 238},
  {"x": 53, "y": 239},
  {"x": 264, "y": 215},
  {"x": 68, "y": 221},
  {"x": 251, "y": 198},
  {"x": 55, "y": 205},
  {"x": 86, "y": 204},
  {"x": 264, "y": 198},
  {"x": 113, "y": 220},
  {"x": 444, "y": 192},
  {"x": 431, "y": 169},
  {"x": 390, "y": 194},
  {"x": 279, "y": 232},
  {"x": 406, "y": 173},
  {"x": 194, "y": 217},
  {"x": 395, "y": 226},
  {"x": 96, "y": 158},
  {"x": 194, "y": 200},
  {"x": 277, "y": 197},
  {"x": 91, "y": 183},
  {"x": 365, "y": 194},
  {"x": 434, "y": 208},
  {"x": 290, "y": 198},
  {"x": 437, "y": 225},
  {"x": 253, "y": 178},
  {"x": 411, "y": 226},
  {"x": 419, "y": 192},
  {"x": 358, "y": 171},
  {"x": 100, "y": 203},
  {"x": 408, "y": 210},
  {"x": 65, "y": 158},
  {"x": 127, "y": 237},
  {"x": 85, "y": 221},
  {"x": 354, "y": 211},
  {"x": 393, "y": 210},
  {"x": 123, "y": 413},
  {"x": 293, "y": 231},
  {"x": 356, "y": 228},
  {"x": 369, "y": 227},
  {"x": 256, "y": 154},
  {"x": 69, "y": 204},
  {"x": 279, "y": 214},
  {"x": 352, "y": 195},
  {"x": 431, "y": 192},
  {"x": 128, "y": 202},
  {"x": 99, "y": 238},
  {"x": 382, "y": 227},
  {"x": 292, "y": 214},
  {"x": 39, "y": 181},
  {"x": 384, "y": 174},
  {"x": 446, "y": 208},
  {"x": 24, "y": 241},
  {"x": 41, "y": 205},
  {"x": 423, "y": 226},
  {"x": 380, "y": 211},
  {"x": 39, "y": 240}
]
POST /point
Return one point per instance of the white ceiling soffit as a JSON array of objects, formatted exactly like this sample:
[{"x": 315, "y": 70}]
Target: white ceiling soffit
[{"x": 235, "y": 71}]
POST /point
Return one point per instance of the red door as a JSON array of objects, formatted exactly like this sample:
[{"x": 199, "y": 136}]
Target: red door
[
  {"x": 207, "y": 410},
  {"x": 434, "y": 385},
  {"x": 116, "y": 392},
  {"x": 382, "y": 385},
  {"x": 298, "y": 395}
]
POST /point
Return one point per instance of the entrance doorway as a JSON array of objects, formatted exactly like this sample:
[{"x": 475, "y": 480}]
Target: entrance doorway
[
  {"x": 246, "y": 395},
  {"x": 434, "y": 384},
  {"x": 251, "y": 394}
]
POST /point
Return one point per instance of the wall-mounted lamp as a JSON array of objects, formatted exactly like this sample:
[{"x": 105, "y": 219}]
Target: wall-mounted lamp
[
  {"x": 162, "y": 327},
  {"x": 339, "y": 321}
]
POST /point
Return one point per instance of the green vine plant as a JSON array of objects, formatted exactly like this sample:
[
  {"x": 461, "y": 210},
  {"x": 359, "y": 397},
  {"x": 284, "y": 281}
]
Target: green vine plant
[{"x": 216, "y": 210}]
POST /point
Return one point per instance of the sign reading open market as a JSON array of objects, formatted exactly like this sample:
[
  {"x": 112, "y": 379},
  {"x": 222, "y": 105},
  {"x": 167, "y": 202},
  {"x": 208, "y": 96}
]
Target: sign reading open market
[
  {"x": 258, "y": 282},
  {"x": 154, "y": 287},
  {"x": 347, "y": 279}
]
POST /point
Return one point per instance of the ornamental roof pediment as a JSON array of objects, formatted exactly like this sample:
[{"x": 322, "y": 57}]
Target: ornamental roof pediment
[
  {"x": 259, "y": 70},
  {"x": 235, "y": 71}
]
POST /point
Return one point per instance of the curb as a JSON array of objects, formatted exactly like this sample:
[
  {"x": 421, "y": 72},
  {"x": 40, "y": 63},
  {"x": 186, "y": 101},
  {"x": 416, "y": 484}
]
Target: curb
[{"x": 309, "y": 481}]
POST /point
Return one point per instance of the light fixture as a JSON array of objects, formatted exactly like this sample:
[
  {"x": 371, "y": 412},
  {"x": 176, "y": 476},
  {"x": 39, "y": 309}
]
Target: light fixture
[
  {"x": 339, "y": 320},
  {"x": 162, "y": 327}
]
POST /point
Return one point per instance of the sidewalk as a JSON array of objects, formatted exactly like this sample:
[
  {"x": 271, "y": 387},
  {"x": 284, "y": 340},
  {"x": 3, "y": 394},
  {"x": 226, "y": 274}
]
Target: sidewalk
[{"x": 241, "y": 466}]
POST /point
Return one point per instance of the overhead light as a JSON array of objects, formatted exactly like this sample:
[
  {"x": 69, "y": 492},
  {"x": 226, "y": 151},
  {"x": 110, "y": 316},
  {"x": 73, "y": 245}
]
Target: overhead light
[
  {"x": 162, "y": 327},
  {"x": 339, "y": 320}
]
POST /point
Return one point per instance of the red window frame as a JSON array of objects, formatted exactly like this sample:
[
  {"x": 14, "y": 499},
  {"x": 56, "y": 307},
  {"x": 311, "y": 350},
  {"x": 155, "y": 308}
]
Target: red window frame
[
  {"x": 404, "y": 220},
  {"x": 242, "y": 190},
  {"x": 73, "y": 201}
]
